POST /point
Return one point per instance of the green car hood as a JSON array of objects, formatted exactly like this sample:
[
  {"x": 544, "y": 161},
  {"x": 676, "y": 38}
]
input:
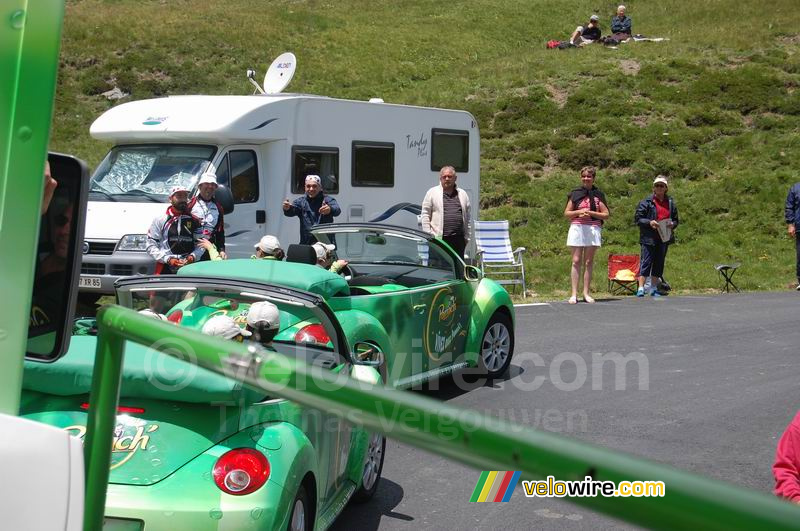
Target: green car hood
[
  {"x": 151, "y": 441},
  {"x": 290, "y": 274}
]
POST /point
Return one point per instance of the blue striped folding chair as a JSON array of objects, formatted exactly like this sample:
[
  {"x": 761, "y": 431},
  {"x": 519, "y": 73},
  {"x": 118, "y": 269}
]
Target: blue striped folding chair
[{"x": 495, "y": 256}]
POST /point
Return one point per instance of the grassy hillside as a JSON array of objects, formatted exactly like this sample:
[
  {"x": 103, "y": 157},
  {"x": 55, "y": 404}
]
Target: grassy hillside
[{"x": 716, "y": 108}]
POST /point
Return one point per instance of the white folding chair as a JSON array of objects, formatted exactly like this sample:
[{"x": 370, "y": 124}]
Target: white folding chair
[{"x": 495, "y": 256}]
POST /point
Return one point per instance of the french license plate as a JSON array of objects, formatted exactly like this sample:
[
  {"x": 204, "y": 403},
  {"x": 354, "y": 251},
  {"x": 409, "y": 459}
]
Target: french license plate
[{"x": 90, "y": 282}]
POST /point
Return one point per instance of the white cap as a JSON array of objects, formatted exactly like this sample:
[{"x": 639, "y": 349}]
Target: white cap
[
  {"x": 264, "y": 313},
  {"x": 150, "y": 313},
  {"x": 178, "y": 188},
  {"x": 208, "y": 177},
  {"x": 594, "y": 18},
  {"x": 313, "y": 179},
  {"x": 224, "y": 326},
  {"x": 268, "y": 243},
  {"x": 661, "y": 179},
  {"x": 620, "y": 8},
  {"x": 323, "y": 249}
]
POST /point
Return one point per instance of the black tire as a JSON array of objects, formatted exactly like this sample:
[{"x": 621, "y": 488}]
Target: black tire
[
  {"x": 300, "y": 518},
  {"x": 373, "y": 467},
  {"x": 497, "y": 346}
]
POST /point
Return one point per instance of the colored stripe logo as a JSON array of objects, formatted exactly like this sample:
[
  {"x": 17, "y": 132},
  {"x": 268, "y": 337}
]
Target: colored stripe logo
[{"x": 495, "y": 486}]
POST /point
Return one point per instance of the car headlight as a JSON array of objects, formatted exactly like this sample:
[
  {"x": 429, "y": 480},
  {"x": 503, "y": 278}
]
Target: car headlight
[{"x": 133, "y": 242}]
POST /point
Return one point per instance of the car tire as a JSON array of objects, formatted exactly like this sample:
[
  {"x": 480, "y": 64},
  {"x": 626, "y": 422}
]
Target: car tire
[
  {"x": 300, "y": 515},
  {"x": 497, "y": 346},
  {"x": 373, "y": 467}
]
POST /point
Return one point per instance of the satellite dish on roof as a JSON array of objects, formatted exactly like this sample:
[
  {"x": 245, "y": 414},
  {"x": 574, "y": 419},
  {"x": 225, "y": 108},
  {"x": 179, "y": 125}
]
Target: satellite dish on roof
[{"x": 280, "y": 73}]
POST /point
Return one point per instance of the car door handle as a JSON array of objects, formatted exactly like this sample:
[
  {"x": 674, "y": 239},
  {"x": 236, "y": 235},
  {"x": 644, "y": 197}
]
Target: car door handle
[{"x": 420, "y": 308}]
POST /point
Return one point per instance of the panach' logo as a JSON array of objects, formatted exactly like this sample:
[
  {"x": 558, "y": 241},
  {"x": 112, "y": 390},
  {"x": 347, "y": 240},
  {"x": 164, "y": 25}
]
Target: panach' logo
[
  {"x": 126, "y": 442},
  {"x": 447, "y": 309}
]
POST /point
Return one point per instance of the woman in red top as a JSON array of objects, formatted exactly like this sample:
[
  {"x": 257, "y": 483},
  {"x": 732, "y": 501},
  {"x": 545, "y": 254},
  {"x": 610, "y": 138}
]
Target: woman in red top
[
  {"x": 787, "y": 462},
  {"x": 657, "y": 208},
  {"x": 586, "y": 209}
]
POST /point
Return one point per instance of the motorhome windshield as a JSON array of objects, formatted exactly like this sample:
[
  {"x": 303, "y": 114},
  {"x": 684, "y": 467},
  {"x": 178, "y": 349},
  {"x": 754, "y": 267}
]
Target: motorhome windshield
[{"x": 133, "y": 173}]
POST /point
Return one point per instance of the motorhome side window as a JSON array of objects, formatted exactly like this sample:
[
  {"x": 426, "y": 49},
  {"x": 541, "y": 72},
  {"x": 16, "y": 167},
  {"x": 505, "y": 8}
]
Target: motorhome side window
[
  {"x": 449, "y": 147},
  {"x": 373, "y": 164},
  {"x": 313, "y": 160},
  {"x": 239, "y": 171}
]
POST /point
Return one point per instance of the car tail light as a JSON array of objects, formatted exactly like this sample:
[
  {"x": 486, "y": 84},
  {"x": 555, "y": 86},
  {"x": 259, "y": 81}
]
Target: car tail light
[
  {"x": 314, "y": 333},
  {"x": 241, "y": 471},
  {"x": 175, "y": 316}
]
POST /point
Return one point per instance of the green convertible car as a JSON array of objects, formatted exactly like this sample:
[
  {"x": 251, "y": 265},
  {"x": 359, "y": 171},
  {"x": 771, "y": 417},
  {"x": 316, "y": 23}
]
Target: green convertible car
[{"x": 195, "y": 450}]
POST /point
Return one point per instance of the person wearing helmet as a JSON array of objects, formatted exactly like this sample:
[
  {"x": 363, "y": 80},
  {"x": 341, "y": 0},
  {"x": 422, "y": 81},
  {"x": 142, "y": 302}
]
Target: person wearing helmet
[
  {"x": 269, "y": 248},
  {"x": 263, "y": 321},
  {"x": 207, "y": 209},
  {"x": 171, "y": 239},
  {"x": 224, "y": 326}
]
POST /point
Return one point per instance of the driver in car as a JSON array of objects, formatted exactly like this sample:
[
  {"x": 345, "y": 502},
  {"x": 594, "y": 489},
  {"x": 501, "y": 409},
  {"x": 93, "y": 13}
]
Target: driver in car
[{"x": 325, "y": 258}]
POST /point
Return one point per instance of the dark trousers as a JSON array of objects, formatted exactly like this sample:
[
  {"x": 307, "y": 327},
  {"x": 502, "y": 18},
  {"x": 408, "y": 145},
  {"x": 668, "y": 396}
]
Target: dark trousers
[
  {"x": 797, "y": 246},
  {"x": 459, "y": 244},
  {"x": 652, "y": 260}
]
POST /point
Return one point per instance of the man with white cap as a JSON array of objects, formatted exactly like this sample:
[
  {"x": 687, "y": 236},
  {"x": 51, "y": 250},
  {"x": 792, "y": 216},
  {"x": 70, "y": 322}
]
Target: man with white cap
[
  {"x": 171, "y": 239},
  {"x": 206, "y": 208},
  {"x": 587, "y": 34},
  {"x": 225, "y": 326},
  {"x": 325, "y": 257},
  {"x": 263, "y": 321},
  {"x": 314, "y": 208},
  {"x": 269, "y": 248}
]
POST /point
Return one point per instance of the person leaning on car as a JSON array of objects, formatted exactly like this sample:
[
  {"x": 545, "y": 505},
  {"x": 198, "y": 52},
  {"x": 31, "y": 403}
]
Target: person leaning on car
[
  {"x": 446, "y": 211},
  {"x": 792, "y": 217}
]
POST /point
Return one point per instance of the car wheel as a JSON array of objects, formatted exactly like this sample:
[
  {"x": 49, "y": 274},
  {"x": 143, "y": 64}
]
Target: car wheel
[
  {"x": 497, "y": 346},
  {"x": 299, "y": 519},
  {"x": 373, "y": 466}
]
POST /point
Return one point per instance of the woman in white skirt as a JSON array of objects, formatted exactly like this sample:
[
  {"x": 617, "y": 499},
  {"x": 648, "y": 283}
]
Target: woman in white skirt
[{"x": 586, "y": 209}]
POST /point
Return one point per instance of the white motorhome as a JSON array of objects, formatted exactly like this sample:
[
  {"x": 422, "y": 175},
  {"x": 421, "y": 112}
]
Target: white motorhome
[{"x": 376, "y": 159}]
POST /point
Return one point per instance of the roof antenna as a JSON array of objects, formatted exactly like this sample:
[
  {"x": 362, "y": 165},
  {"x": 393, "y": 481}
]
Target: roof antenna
[{"x": 251, "y": 77}]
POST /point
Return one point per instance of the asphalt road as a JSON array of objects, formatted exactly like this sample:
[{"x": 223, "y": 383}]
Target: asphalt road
[{"x": 713, "y": 383}]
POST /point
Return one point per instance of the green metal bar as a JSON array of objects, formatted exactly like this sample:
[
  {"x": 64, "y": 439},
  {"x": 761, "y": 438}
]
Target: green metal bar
[
  {"x": 482, "y": 441},
  {"x": 102, "y": 417},
  {"x": 30, "y": 34}
]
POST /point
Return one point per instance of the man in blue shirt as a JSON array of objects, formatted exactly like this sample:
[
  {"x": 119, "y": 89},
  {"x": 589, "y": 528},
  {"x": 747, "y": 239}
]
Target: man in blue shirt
[
  {"x": 792, "y": 217},
  {"x": 314, "y": 208},
  {"x": 621, "y": 25}
]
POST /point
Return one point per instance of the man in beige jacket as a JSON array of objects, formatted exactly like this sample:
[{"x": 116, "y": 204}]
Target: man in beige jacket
[{"x": 446, "y": 211}]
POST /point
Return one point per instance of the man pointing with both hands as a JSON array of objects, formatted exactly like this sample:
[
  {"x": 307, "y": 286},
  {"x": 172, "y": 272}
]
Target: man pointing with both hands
[{"x": 314, "y": 208}]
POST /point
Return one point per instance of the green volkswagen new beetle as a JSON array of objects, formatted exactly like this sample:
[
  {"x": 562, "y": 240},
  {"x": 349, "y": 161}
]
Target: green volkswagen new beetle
[{"x": 195, "y": 450}]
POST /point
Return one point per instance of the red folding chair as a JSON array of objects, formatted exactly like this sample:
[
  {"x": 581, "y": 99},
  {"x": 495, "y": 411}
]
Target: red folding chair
[{"x": 623, "y": 273}]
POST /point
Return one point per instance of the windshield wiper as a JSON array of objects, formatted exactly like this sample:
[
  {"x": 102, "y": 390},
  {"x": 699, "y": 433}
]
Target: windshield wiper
[{"x": 152, "y": 197}]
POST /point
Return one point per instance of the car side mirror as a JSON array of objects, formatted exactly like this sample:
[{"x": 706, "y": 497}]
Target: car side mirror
[
  {"x": 472, "y": 273},
  {"x": 225, "y": 198},
  {"x": 58, "y": 258},
  {"x": 367, "y": 354}
]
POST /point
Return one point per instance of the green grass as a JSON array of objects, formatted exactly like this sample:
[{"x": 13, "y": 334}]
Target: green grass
[{"x": 716, "y": 108}]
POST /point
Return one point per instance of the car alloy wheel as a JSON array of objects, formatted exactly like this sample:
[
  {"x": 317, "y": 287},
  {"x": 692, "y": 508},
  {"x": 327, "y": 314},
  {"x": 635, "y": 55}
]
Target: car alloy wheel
[
  {"x": 299, "y": 519},
  {"x": 373, "y": 466},
  {"x": 497, "y": 346}
]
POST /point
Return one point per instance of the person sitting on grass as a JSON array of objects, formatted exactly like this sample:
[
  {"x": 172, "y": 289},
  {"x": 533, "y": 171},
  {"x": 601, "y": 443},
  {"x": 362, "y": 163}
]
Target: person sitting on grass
[
  {"x": 587, "y": 34},
  {"x": 621, "y": 25}
]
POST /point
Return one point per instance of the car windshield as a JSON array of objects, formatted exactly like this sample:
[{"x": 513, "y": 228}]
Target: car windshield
[
  {"x": 304, "y": 331},
  {"x": 148, "y": 171},
  {"x": 384, "y": 246}
]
